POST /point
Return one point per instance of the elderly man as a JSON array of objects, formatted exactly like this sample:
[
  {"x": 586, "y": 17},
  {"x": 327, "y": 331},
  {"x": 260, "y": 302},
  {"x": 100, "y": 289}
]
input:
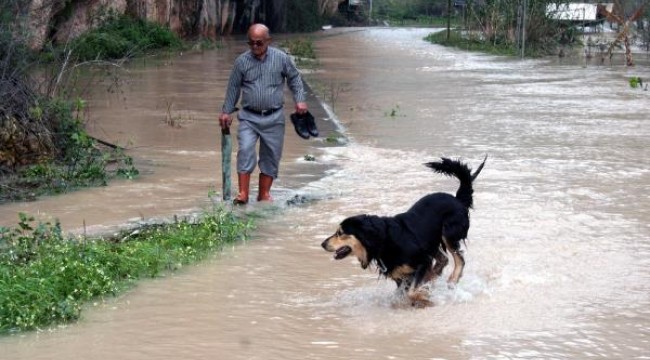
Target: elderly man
[{"x": 259, "y": 75}]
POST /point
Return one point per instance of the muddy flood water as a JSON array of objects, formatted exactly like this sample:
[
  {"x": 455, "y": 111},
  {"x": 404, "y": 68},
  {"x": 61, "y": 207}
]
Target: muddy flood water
[{"x": 558, "y": 255}]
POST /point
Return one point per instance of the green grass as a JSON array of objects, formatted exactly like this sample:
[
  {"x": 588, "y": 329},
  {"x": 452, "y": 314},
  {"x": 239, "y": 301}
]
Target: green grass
[
  {"x": 425, "y": 21},
  {"x": 45, "y": 278},
  {"x": 123, "y": 37},
  {"x": 300, "y": 47},
  {"x": 457, "y": 40}
]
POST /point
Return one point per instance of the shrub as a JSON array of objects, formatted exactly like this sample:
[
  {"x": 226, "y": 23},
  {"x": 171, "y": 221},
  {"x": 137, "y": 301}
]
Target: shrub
[
  {"x": 44, "y": 147},
  {"x": 123, "y": 36}
]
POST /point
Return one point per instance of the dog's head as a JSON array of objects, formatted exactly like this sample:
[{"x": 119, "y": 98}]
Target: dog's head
[{"x": 354, "y": 236}]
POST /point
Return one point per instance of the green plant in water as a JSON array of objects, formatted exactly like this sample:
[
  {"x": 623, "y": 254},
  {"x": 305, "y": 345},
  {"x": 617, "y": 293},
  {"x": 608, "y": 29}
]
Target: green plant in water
[
  {"x": 636, "y": 82},
  {"x": 175, "y": 121},
  {"x": 129, "y": 171},
  {"x": 331, "y": 139},
  {"x": 393, "y": 112},
  {"x": 45, "y": 278}
]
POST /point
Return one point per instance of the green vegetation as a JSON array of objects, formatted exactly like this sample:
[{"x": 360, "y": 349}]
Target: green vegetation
[
  {"x": 123, "y": 37},
  {"x": 50, "y": 152},
  {"x": 467, "y": 42},
  {"x": 303, "y": 16},
  {"x": 44, "y": 147},
  {"x": 301, "y": 47},
  {"x": 499, "y": 27},
  {"x": 423, "y": 21},
  {"x": 335, "y": 139},
  {"x": 46, "y": 278},
  {"x": 394, "y": 112},
  {"x": 636, "y": 82},
  {"x": 412, "y": 12}
]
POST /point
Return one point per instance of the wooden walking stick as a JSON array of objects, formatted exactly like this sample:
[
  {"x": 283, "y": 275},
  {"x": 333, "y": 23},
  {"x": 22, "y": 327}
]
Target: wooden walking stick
[{"x": 226, "y": 150}]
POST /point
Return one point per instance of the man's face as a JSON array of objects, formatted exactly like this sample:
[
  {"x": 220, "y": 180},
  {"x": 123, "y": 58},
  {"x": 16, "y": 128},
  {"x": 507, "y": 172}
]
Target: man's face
[{"x": 258, "y": 43}]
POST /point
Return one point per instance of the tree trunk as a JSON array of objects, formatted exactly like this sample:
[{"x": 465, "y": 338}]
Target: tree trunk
[
  {"x": 225, "y": 14},
  {"x": 207, "y": 19},
  {"x": 231, "y": 17},
  {"x": 628, "y": 51}
]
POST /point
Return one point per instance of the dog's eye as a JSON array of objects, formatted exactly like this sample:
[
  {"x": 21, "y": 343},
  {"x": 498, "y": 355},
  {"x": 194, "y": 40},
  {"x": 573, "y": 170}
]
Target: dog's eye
[{"x": 338, "y": 232}]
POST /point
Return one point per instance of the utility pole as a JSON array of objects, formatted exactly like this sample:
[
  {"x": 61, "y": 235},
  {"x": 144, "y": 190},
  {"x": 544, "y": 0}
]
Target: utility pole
[
  {"x": 448, "y": 19},
  {"x": 523, "y": 30}
]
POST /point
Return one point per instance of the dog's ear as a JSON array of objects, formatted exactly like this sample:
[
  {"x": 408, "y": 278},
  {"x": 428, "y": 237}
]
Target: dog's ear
[
  {"x": 352, "y": 225},
  {"x": 369, "y": 229}
]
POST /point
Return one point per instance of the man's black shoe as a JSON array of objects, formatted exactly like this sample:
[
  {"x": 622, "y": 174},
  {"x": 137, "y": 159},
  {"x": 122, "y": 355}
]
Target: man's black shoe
[
  {"x": 311, "y": 124},
  {"x": 300, "y": 124}
]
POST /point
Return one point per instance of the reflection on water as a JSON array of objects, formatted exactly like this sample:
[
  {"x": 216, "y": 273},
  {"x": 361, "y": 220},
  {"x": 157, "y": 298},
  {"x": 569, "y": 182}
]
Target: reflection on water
[{"x": 557, "y": 256}]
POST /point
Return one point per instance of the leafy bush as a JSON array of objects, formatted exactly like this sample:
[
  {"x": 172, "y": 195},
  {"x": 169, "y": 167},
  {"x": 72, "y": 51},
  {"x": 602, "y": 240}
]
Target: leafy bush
[
  {"x": 123, "y": 36},
  {"x": 71, "y": 160},
  {"x": 45, "y": 278},
  {"x": 44, "y": 147}
]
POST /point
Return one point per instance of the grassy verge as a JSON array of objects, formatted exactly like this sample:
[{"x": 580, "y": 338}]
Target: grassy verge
[
  {"x": 420, "y": 21},
  {"x": 45, "y": 278},
  {"x": 469, "y": 43},
  {"x": 302, "y": 48}
]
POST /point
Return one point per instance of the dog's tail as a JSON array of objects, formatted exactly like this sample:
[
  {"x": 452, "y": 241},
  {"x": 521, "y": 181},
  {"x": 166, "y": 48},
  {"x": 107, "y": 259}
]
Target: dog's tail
[{"x": 461, "y": 171}]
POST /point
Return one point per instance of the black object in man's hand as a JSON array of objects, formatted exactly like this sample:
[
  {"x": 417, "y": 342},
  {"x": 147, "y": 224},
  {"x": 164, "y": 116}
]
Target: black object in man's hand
[{"x": 301, "y": 124}]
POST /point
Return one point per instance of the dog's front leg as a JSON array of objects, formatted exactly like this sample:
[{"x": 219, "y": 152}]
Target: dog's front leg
[{"x": 417, "y": 296}]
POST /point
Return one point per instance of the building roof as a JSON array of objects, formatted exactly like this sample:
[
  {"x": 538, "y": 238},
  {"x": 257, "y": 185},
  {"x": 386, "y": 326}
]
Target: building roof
[{"x": 576, "y": 11}]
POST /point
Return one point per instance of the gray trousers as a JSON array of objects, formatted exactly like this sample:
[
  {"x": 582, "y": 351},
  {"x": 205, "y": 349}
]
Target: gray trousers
[{"x": 269, "y": 130}]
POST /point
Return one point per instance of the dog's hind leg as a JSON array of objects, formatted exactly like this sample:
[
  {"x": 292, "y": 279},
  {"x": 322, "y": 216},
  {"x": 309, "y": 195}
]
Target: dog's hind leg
[{"x": 459, "y": 260}]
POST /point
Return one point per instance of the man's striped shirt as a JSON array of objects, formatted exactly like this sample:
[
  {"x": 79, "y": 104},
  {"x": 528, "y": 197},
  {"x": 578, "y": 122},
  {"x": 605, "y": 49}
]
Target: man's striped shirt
[{"x": 261, "y": 82}]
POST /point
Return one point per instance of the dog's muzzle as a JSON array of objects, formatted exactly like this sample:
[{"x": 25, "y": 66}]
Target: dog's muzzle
[
  {"x": 325, "y": 245},
  {"x": 339, "y": 253}
]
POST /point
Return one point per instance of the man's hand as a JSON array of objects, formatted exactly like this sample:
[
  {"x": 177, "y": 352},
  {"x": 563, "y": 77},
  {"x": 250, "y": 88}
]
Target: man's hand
[
  {"x": 301, "y": 108},
  {"x": 225, "y": 120}
]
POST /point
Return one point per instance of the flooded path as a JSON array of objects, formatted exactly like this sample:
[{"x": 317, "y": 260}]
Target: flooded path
[{"x": 558, "y": 256}]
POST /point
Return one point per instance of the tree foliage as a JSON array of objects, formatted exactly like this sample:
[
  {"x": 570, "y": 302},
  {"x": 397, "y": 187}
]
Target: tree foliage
[
  {"x": 511, "y": 22},
  {"x": 44, "y": 147},
  {"x": 409, "y": 9},
  {"x": 309, "y": 18}
]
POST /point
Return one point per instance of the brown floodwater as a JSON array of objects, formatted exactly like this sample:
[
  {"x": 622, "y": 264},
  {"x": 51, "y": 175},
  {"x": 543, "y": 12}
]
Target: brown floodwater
[{"x": 558, "y": 256}]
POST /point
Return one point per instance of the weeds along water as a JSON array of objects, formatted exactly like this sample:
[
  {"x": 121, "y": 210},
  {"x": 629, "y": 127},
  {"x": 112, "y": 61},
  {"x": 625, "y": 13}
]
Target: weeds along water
[{"x": 46, "y": 277}]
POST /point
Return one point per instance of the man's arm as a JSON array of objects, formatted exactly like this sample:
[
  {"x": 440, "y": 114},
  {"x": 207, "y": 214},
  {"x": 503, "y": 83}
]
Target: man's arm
[
  {"x": 294, "y": 81},
  {"x": 233, "y": 90}
]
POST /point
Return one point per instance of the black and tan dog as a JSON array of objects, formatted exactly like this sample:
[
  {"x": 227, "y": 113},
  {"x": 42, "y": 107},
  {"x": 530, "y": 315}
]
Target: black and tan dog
[{"x": 404, "y": 246}]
